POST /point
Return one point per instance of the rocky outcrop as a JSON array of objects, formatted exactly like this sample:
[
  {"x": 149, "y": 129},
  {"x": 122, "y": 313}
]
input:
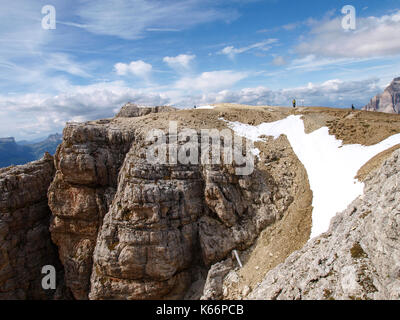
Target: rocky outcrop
[
  {"x": 129, "y": 229},
  {"x": 25, "y": 244},
  {"x": 358, "y": 258},
  {"x": 167, "y": 220},
  {"x": 388, "y": 101},
  {"x": 214, "y": 284},
  {"x": 87, "y": 167},
  {"x": 131, "y": 110},
  {"x": 148, "y": 241}
]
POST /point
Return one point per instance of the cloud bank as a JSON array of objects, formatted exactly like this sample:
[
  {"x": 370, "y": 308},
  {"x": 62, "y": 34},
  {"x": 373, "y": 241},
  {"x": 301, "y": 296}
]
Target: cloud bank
[
  {"x": 374, "y": 36},
  {"x": 42, "y": 114}
]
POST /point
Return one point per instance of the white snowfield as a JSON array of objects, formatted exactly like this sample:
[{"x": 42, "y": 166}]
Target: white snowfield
[
  {"x": 331, "y": 166},
  {"x": 205, "y": 107}
]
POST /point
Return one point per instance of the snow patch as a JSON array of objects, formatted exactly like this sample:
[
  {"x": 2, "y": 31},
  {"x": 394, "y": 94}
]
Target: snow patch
[
  {"x": 331, "y": 166},
  {"x": 256, "y": 152},
  {"x": 205, "y": 107}
]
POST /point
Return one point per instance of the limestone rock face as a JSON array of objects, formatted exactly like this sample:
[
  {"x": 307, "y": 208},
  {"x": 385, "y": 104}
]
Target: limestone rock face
[
  {"x": 131, "y": 110},
  {"x": 358, "y": 258},
  {"x": 239, "y": 208},
  {"x": 148, "y": 240},
  {"x": 25, "y": 243},
  {"x": 129, "y": 229},
  {"x": 87, "y": 166},
  {"x": 167, "y": 220},
  {"x": 388, "y": 101}
]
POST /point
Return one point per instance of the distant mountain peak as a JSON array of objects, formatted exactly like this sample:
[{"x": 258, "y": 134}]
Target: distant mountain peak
[
  {"x": 7, "y": 140},
  {"x": 16, "y": 153},
  {"x": 388, "y": 101},
  {"x": 54, "y": 137}
]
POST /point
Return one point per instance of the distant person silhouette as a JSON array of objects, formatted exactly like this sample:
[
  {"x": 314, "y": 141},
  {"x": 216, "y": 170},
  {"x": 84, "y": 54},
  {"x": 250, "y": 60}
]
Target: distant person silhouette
[
  {"x": 294, "y": 103},
  {"x": 352, "y": 107}
]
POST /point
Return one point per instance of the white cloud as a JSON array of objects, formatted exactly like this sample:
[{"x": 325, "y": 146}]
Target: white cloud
[
  {"x": 279, "y": 61},
  {"x": 231, "y": 51},
  {"x": 210, "y": 81},
  {"x": 312, "y": 62},
  {"x": 130, "y": 19},
  {"x": 332, "y": 93},
  {"x": 163, "y": 30},
  {"x": 179, "y": 62},
  {"x": 41, "y": 114},
  {"x": 374, "y": 37},
  {"x": 138, "y": 68},
  {"x": 44, "y": 72},
  {"x": 31, "y": 58},
  {"x": 63, "y": 62}
]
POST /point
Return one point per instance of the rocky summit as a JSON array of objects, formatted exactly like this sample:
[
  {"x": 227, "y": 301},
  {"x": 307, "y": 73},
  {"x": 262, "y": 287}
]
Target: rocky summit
[
  {"x": 118, "y": 226},
  {"x": 388, "y": 101}
]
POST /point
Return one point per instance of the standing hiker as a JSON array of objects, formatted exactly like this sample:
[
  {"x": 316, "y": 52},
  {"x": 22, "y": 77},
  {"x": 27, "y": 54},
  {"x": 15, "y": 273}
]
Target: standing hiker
[
  {"x": 294, "y": 103},
  {"x": 352, "y": 107}
]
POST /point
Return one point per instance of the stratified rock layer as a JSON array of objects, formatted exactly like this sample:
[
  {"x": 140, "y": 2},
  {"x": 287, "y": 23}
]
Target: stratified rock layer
[
  {"x": 166, "y": 220},
  {"x": 388, "y": 101},
  {"x": 148, "y": 240},
  {"x": 358, "y": 258},
  {"x": 25, "y": 244},
  {"x": 129, "y": 229},
  {"x": 87, "y": 165}
]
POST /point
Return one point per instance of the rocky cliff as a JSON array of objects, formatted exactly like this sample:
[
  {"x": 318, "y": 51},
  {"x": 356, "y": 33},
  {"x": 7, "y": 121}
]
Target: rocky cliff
[
  {"x": 25, "y": 244},
  {"x": 388, "y": 101},
  {"x": 358, "y": 258},
  {"x": 128, "y": 229},
  {"x": 87, "y": 167}
]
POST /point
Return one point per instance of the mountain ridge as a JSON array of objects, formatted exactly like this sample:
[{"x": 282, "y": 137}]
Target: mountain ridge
[
  {"x": 13, "y": 152},
  {"x": 388, "y": 101}
]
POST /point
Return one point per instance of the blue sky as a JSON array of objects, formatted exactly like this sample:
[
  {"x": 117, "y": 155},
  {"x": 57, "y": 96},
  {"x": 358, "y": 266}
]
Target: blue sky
[{"x": 105, "y": 53}]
